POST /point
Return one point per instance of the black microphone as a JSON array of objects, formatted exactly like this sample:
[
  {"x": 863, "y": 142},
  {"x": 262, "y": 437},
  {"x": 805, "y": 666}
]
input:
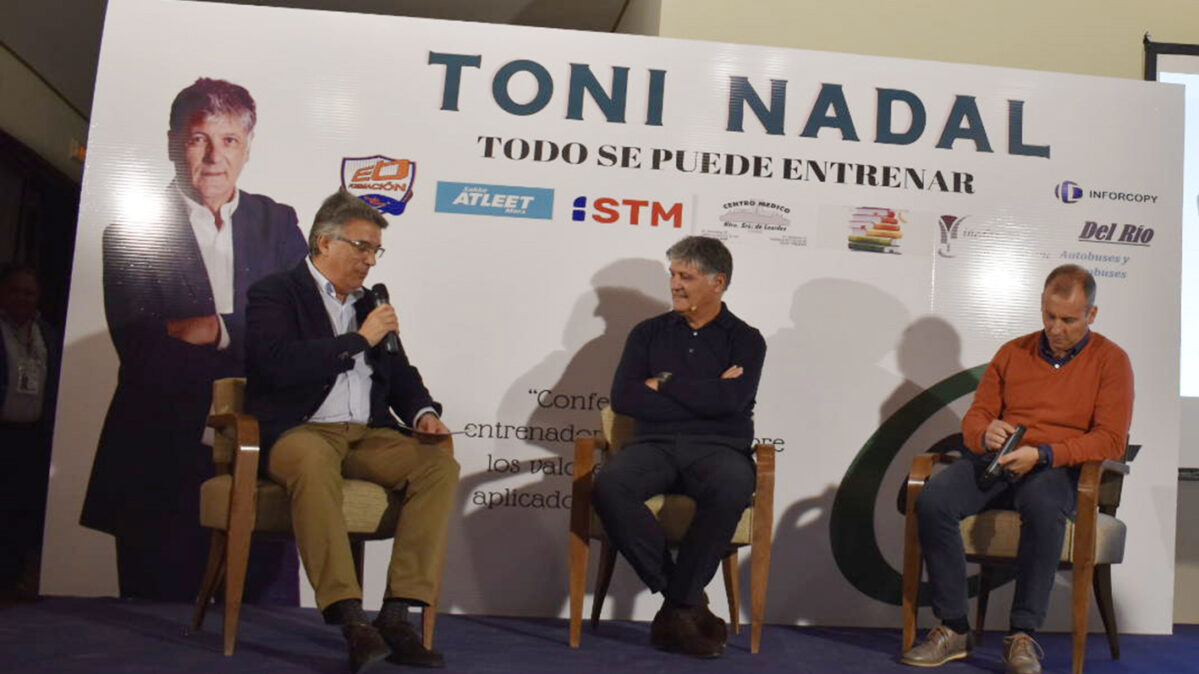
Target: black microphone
[{"x": 391, "y": 342}]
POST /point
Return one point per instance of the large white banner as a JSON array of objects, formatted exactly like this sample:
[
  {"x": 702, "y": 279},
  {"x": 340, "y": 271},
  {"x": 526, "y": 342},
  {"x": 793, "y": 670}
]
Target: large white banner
[{"x": 891, "y": 223}]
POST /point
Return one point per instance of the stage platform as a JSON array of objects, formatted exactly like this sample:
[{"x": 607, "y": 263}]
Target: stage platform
[{"x": 67, "y": 636}]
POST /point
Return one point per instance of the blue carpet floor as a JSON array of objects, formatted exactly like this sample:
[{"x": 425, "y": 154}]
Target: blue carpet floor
[{"x": 68, "y": 636}]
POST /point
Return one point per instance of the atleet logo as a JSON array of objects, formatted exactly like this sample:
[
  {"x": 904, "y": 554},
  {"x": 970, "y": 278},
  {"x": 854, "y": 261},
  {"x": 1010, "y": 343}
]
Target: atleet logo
[
  {"x": 502, "y": 200},
  {"x": 1070, "y": 192},
  {"x": 1123, "y": 234},
  {"x": 380, "y": 181},
  {"x": 609, "y": 210}
]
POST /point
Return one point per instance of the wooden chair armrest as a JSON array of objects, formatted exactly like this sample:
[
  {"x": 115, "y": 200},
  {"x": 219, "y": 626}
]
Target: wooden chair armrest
[
  {"x": 764, "y": 496},
  {"x": 922, "y": 468},
  {"x": 243, "y": 428},
  {"x": 764, "y": 456},
  {"x": 1085, "y": 521},
  {"x": 581, "y": 482},
  {"x": 1092, "y": 474}
]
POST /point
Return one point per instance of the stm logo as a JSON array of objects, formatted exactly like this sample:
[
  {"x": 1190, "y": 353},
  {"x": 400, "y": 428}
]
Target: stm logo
[
  {"x": 1068, "y": 192},
  {"x": 634, "y": 211}
]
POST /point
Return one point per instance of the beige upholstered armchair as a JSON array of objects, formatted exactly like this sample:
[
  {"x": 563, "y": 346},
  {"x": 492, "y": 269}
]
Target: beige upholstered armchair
[
  {"x": 675, "y": 512},
  {"x": 238, "y": 503},
  {"x": 1094, "y": 541}
]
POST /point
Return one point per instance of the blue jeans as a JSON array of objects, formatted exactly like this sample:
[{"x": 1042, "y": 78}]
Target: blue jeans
[{"x": 1046, "y": 499}]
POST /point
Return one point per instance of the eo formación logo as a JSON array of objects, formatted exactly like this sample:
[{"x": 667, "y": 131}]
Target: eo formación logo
[
  {"x": 503, "y": 200},
  {"x": 380, "y": 181}
]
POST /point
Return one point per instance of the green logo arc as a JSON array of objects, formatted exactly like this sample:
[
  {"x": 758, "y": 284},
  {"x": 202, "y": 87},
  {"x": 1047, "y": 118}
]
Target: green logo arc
[{"x": 851, "y": 523}]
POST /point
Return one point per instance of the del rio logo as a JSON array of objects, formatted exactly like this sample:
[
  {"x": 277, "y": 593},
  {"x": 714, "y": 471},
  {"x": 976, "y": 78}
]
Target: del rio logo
[{"x": 633, "y": 211}]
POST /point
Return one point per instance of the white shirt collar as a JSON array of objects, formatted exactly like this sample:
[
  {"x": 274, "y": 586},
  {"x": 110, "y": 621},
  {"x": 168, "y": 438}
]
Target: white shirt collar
[
  {"x": 326, "y": 286},
  {"x": 198, "y": 212}
]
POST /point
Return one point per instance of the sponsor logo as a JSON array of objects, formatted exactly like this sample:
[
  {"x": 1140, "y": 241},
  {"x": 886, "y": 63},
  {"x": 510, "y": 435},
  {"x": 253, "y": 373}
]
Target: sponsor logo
[
  {"x": 876, "y": 230},
  {"x": 609, "y": 210},
  {"x": 951, "y": 229},
  {"x": 1088, "y": 259},
  {"x": 754, "y": 219},
  {"x": 1122, "y": 234},
  {"x": 1070, "y": 192},
  {"x": 382, "y": 182},
  {"x": 760, "y": 215},
  {"x": 503, "y": 200}
]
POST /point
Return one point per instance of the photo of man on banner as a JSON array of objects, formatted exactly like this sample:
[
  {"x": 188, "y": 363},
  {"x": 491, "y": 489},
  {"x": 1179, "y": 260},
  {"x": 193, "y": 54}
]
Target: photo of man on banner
[{"x": 175, "y": 299}]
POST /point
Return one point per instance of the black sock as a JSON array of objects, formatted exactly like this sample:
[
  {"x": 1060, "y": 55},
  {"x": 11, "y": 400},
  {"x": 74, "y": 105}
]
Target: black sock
[
  {"x": 344, "y": 612},
  {"x": 394, "y": 611},
  {"x": 959, "y": 625},
  {"x": 1013, "y": 629}
]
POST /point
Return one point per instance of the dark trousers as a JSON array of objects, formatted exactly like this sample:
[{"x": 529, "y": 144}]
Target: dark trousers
[
  {"x": 714, "y": 471},
  {"x": 24, "y": 469},
  {"x": 1045, "y": 498}
]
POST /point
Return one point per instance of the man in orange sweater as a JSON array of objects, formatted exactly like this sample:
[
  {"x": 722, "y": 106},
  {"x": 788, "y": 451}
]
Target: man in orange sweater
[{"x": 1072, "y": 389}]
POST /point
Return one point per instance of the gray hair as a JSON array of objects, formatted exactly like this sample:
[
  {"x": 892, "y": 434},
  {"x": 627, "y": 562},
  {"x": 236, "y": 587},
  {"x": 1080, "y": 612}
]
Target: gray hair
[
  {"x": 708, "y": 254},
  {"x": 206, "y": 98},
  {"x": 1065, "y": 278},
  {"x": 337, "y": 210}
]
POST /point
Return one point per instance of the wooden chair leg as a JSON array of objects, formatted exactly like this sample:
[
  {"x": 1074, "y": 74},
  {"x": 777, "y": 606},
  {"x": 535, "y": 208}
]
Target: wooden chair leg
[
  {"x": 602, "y": 580},
  {"x": 732, "y": 588},
  {"x": 237, "y": 556},
  {"x": 428, "y": 622},
  {"x": 759, "y": 575},
  {"x": 913, "y": 568},
  {"x": 986, "y": 580},
  {"x": 1082, "y": 589},
  {"x": 213, "y": 571},
  {"x": 580, "y": 550},
  {"x": 1103, "y": 599}
]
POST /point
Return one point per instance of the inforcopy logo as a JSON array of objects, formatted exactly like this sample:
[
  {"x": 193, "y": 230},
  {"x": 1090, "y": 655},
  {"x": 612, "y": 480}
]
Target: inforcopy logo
[{"x": 1068, "y": 192}]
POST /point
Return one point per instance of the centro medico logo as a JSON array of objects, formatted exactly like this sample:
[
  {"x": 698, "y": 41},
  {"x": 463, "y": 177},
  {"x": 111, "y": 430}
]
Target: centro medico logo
[{"x": 1068, "y": 192}]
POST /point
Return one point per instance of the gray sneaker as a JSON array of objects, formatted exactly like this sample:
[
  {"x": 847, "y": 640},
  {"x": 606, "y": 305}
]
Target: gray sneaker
[
  {"x": 1022, "y": 654},
  {"x": 939, "y": 647}
]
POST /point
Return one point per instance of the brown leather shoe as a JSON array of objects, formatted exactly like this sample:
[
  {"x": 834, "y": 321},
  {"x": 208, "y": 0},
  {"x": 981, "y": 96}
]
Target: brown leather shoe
[
  {"x": 366, "y": 647},
  {"x": 407, "y": 648},
  {"x": 677, "y": 629},
  {"x": 1022, "y": 654},
  {"x": 939, "y": 647},
  {"x": 712, "y": 625}
]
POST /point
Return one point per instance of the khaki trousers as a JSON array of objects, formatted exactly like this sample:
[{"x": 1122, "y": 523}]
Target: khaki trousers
[{"x": 311, "y": 460}]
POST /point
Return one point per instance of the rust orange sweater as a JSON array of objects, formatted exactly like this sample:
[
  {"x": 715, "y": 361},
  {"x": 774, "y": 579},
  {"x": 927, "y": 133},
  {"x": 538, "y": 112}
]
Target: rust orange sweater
[{"x": 1082, "y": 409}]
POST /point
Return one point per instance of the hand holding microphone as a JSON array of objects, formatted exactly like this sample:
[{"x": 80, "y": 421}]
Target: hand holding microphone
[{"x": 381, "y": 323}]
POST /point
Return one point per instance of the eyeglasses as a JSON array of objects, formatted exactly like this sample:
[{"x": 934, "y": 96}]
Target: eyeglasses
[{"x": 363, "y": 247}]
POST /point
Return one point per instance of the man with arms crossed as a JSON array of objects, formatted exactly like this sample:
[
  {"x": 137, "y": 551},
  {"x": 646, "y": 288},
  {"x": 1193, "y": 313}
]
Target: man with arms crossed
[
  {"x": 1072, "y": 389},
  {"x": 689, "y": 378},
  {"x": 175, "y": 299},
  {"x": 323, "y": 386}
]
